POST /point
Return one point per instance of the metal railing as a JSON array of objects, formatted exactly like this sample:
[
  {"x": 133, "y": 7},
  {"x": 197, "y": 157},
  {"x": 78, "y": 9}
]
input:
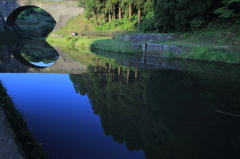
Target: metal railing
[{"x": 102, "y": 33}]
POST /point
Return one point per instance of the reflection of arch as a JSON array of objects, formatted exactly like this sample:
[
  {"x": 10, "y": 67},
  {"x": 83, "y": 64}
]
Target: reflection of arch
[
  {"x": 11, "y": 20},
  {"x": 16, "y": 52}
]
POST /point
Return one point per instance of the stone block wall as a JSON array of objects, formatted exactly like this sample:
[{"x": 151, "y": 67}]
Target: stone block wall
[
  {"x": 159, "y": 49},
  {"x": 61, "y": 11},
  {"x": 148, "y": 37},
  {"x": 2, "y": 23},
  {"x": 175, "y": 49}
]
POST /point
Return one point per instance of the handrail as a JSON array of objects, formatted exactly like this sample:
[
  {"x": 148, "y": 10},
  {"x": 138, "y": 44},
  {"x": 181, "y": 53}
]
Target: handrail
[{"x": 105, "y": 33}]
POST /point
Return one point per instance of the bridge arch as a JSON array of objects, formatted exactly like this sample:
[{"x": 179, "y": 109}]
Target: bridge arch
[
  {"x": 14, "y": 14},
  {"x": 61, "y": 11},
  {"x": 11, "y": 20}
]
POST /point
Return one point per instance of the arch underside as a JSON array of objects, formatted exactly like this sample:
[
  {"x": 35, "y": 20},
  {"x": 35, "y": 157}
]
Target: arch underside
[
  {"x": 11, "y": 21},
  {"x": 14, "y": 14}
]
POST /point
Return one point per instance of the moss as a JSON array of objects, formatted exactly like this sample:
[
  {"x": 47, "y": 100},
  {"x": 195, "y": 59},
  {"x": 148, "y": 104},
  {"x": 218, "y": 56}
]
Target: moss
[
  {"x": 114, "y": 46},
  {"x": 27, "y": 144},
  {"x": 208, "y": 54}
]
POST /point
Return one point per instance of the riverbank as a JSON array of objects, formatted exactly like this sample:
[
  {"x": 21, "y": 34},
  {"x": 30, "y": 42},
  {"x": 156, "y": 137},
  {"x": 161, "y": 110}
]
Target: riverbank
[
  {"x": 194, "y": 50},
  {"x": 217, "y": 41},
  {"x": 16, "y": 139}
]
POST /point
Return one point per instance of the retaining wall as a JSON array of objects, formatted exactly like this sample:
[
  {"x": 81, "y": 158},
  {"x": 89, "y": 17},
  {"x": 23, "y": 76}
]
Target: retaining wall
[
  {"x": 159, "y": 49},
  {"x": 2, "y": 23},
  {"x": 147, "y": 37}
]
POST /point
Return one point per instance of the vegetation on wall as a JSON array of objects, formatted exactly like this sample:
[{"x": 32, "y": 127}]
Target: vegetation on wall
[{"x": 36, "y": 22}]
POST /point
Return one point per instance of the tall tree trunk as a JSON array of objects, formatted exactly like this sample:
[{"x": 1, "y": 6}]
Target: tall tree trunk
[
  {"x": 139, "y": 17},
  {"x": 114, "y": 11},
  {"x": 101, "y": 15},
  {"x": 130, "y": 11},
  {"x": 109, "y": 15},
  {"x": 120, "y": 13},
  {"x": 104, "y": 16},
  {"x": 96, "y": 24}
]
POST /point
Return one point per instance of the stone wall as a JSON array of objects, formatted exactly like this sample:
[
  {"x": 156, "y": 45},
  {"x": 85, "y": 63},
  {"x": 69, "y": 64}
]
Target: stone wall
[
  {"x": 61, "y": 11},
  {"x": 2, "y": 23},
  {"x": 158, "y": 49},
  {"x": 143, "y": 43},
  {"x": 147, "y": 37}
]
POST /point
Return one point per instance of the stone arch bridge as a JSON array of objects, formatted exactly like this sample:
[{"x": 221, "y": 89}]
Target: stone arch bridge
[{"x": 61, "y": 11}]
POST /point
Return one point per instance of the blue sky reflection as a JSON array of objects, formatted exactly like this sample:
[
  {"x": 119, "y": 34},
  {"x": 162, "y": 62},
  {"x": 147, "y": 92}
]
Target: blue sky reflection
[{"x": 65, "y": 121}]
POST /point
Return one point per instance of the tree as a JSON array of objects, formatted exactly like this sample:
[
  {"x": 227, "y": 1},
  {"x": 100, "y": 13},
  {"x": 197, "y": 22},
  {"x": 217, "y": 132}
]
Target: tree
[
  {"x": 139, "y": 5},
  {"x": 230, "y": 9},
  {"x": 179, "y": 14}
]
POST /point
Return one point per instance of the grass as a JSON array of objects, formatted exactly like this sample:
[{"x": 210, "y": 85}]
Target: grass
[
  {"x": 218, "y": 42},
  {"x": 114, "y": 46},
  {"x": 77, "y": 24},
  {"x": 215, "y": 35},
  {"x": 89, "y": 58},
  {"x": 208, "y": 54},
  {"x": 76, "y": 41}
]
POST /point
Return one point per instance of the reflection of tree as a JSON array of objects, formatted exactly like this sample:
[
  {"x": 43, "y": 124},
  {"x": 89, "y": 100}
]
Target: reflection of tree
[
  {"x": 39, "y": 52},
  {"x": 35, "y": 57},
  {"x": 167, "y": 114},
  {"x": 79, "y": 84}
]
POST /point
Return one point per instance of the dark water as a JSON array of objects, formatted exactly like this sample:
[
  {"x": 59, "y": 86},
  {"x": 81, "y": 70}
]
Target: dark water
[{"x": 130, "y": 107}]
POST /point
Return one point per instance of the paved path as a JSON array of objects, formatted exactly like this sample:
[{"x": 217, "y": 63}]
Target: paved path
[{"x": 8, "y": 146}]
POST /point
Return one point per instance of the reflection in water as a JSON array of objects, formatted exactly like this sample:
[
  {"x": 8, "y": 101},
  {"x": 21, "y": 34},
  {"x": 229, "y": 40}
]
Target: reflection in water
[
  {"x": 36, "y": 56},
  {"x": 66, "y": 124},
  {"x": 38, "y": 53},
  {"x": 167, "y": 114},
  {"x": 192, "y": 112}
]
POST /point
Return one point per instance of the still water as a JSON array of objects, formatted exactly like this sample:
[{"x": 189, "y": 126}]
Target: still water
[{"x": 117, "y": 106}]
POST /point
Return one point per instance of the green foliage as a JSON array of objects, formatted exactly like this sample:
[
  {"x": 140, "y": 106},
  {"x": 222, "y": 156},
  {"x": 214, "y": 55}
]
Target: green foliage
[
  {"x": 180, "y": 15},
  {"x": 42, "y": 12},
  {"x": 113, "y": 46},
  {"x": 36, "y": 22},
  {"x": 29, "y": 11},
  {"x": 81, "y": 3},
  {"x": 196, "y": 23},
  {"x": 154, "y": 112},
  {"x": 230, "y": 9},
  {"x": 119, "y": 24},
  {"x": 109, "y": 10},
  {"x": 88, "y": 14},
  {"x": 148, "y": 24},
  {"x": 21, "y": 17},
  {"x": 208, "y": 54}
]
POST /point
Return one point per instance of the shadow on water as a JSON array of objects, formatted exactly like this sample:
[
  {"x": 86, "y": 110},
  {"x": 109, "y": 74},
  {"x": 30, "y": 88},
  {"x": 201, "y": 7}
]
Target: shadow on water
[
  {"x": 159, "y": 62},
  {"x": 168, "y": 114}
]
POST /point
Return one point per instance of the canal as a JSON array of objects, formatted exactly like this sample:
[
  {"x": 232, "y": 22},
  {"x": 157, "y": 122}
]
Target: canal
[{"x": 83, "y": 105}]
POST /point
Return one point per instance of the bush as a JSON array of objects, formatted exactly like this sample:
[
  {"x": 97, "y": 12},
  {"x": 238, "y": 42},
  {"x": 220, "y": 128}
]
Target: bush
[
  {"x": 119, "y": 24},
  {"x": 148, "y": 23}
]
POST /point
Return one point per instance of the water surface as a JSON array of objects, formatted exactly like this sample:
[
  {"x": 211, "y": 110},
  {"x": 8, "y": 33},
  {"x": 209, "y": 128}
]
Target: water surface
[{"x": 117, "y": 107}]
